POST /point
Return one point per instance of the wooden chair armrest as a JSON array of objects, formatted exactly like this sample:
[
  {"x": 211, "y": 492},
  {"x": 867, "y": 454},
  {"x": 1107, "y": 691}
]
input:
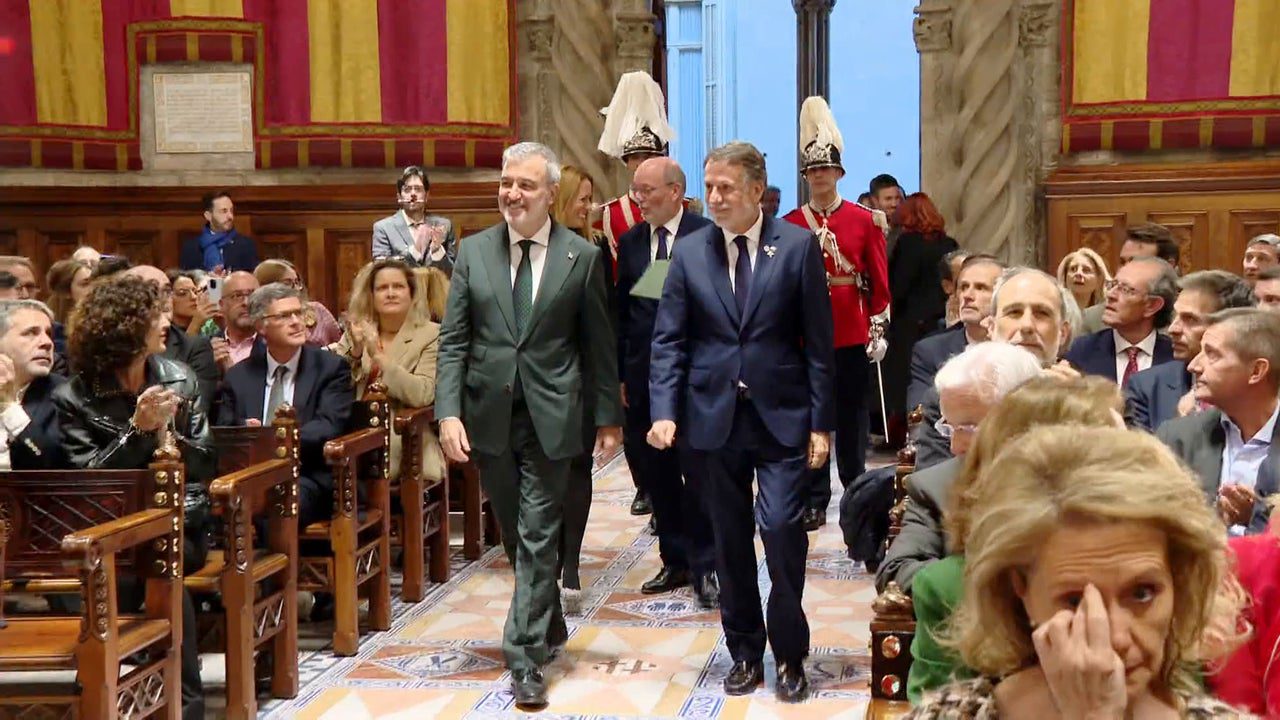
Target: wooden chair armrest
[
  {"x": 353, "y": 445},
  {"x": 112, "y": 537},
  {"x": 253, "y": 480},
  {"x": 413, "y": 419}
]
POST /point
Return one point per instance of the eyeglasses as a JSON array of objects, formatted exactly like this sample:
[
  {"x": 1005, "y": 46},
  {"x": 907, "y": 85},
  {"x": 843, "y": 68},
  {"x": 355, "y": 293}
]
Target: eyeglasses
[
  {"x": 296, "y": 283},
  {"x": 285, "y": 316},
  {"x": 645, "y": 191},
  {"x": 947, "y": 430},
  {"x": 1123, "y": 288},
  {"x": 238, "y": 296}
]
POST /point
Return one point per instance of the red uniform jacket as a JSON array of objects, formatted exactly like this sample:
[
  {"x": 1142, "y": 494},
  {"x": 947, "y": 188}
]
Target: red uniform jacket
[
  {"x": 862, "y": 244},
  {"x": 1250, "y": 679}
]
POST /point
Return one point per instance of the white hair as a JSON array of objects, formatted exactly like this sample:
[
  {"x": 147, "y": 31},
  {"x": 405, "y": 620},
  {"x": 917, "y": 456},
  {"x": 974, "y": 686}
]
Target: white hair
[
  {"x": 987, "y": 370},
  {"x": 1266, "y": 239},
  {"x": 526, "y": 150},
  {"x": 1067, "y": 306}
]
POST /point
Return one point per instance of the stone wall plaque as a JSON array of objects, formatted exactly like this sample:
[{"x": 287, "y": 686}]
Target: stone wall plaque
[{"x": 203, "y": 112}]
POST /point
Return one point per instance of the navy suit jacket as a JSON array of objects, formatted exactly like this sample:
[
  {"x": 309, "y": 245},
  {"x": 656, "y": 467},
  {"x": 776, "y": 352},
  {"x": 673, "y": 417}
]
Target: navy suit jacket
[
  {"x": 1151, "y": 396},
  {"x": 322, "y": 397},
  {"x": 927, "y": 356},
  {"x": 39, "y": 445},
  {"x": 781, "y": 347},
  {"x": 636, "y": 316},
  {"x": 1095, "y": 354},
  {"x": 239, "y": 254}
]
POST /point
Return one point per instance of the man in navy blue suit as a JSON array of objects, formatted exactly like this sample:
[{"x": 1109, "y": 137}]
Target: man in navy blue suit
[
  {"x": 685, "y": 542},
  {"x": 1152, "y": 396},
  {"x": 742, "y": 365},
  {"x": 1139, "y": 299}
]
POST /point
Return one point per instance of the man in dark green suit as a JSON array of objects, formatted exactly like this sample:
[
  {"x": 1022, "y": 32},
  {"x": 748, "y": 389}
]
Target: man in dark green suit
[{"x": 526, "y": 322}]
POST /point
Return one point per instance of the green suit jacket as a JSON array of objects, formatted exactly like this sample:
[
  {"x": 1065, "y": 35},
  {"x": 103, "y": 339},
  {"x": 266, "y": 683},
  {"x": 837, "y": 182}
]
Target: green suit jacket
[
  {"x": 569, "y": 336},
  {"x": 938, "y": 589}
]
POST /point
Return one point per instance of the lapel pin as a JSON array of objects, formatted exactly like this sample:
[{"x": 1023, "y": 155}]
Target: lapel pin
[
  {"x": 570, "y": 256},
  {"x": 770, "y": 250}
]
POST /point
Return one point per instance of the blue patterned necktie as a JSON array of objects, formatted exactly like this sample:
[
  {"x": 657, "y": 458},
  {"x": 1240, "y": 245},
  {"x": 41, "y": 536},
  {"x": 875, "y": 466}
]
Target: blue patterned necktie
[
  {"x": 742, "y": 274},
  {"x": 522, "y": 289}
]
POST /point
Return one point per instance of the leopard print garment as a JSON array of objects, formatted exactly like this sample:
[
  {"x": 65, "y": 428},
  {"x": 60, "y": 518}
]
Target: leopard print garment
[{"x": 975, "y": 700}]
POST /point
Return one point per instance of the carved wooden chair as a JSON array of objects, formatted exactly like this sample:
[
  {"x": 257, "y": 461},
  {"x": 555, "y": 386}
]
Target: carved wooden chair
[
  {"x": 422, "y": 517},
  {"x": 358, "y": 535},
  {"x": 74, "y": 531},
  {"x": 893, "y": 624},
  {"x": 479, "y": 524},
  {"x": 258, "y": 479}
]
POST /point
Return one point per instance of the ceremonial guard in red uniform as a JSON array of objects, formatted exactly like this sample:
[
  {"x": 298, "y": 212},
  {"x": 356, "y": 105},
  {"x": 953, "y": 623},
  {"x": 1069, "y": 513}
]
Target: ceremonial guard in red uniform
[{"x": 853, "y": 247}]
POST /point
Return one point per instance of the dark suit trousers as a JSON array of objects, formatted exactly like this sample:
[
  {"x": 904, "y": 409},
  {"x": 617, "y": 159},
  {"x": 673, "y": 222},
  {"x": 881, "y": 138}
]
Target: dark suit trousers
[
  {"x": 781, "y": 476},
  {"x": 684, "y": 531},
  {"x": 577, "y": 510},
  {"x": 527, "y": 491},
  {"x": 853, "y": 425}
]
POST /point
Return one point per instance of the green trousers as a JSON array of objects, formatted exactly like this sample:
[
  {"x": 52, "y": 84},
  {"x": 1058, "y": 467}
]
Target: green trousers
[{"x": 526, "y": 491}]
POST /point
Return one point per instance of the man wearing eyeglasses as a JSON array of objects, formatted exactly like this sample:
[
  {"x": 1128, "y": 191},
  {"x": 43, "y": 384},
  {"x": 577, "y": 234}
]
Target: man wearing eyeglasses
[
  {"x": 1139, "y": 299},
  {"x": 411, "y": 234},
  {"x": 240, "y": 334}
]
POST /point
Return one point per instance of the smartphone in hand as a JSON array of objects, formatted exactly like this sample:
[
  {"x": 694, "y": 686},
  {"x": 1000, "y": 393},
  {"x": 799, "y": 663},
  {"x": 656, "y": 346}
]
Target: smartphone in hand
[{"x": 213, "y": 288}]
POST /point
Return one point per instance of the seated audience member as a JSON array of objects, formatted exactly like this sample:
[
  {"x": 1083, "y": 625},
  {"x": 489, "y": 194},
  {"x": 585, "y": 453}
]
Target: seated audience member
[
  {"x": 437, "y": 284},
  {"x": 68, "y": 282},
  {"x": 422, "y": 240},
  {"x": 32, "y": 440},
  {"x": 969, "y": 386},
  {"x": 322, "y": 328},
  {"x": 1084, "y": 273},
  {"x": 1154, "y": 394},
  {"x": 121, "y": 396},
  {"x": 935, "y": 591},
  {"x": 1231, "y": 445},
  {"x": 1145, "y": 240},
  {"x": 239, "y": 333},
  {"x": 284, "y": 369},
  {"x": 949, "y": 274},
  {"x": 918, "y": 303},
  {"x": 219, "y": 249},
  {"x": 1094, "y": 573},
  {"x": 1247, "y": 679},
  {"x": 9, "y": 286},
  {"x": 1267, "y": 289},
  {"x": 22, "y": 269},
  {"x": 1139, "y": 299},
  {"x": 87, "y": 255},
  {"x": 975, "y": 282},
  {"x": 1262, "y": 253},
  {"x": 390, "y": 336},
  {"x": 193, "y": 312}
]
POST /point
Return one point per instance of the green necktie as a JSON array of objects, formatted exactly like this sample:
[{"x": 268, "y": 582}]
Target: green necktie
[{"x": 522, "y": 290}]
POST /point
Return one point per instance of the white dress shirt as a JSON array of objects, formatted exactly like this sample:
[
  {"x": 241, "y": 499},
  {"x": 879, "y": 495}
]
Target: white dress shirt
[
  {"x": 672, "y": 226},
  {"x": 13, "y": 420},
  {"x": 1242, "y": 459},
  {"x": 753, "y": 248},
  {"x": 290, "y": 382},
  {"x": 1146, "y": 349},
  {"x": 537, "y": 253}
]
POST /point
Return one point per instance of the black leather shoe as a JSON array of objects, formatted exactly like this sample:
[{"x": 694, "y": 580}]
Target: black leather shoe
[
  {"x": 652, "y": 527},
  {"x": 814, "y": 519},
  {"x": 323, "y": 608},
  {"x": 707, "y": 588},
  {"x": 744, "y": 678},
  {"x": 666, "y": 580},
  {"x": 641, "y": 505},
  {"x": 529, "y": 688},
  {"x": 792, "y": 685}
]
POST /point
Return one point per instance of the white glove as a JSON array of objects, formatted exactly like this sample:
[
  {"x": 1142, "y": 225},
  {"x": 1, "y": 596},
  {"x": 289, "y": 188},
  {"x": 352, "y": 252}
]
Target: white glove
[{"x": 876, "y": 349}]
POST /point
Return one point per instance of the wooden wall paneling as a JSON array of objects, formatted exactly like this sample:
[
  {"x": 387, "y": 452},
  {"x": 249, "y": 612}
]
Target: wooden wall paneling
[
  {"x": 320, "y": 269},
  {"x": 9, "y": 242},
  {"x": 1191, "y": 229},
  {"x": 351, "y": 250},
  {"x": 1103, "y": 232},
  {"x": 291, "y": 246},
  {"x": 1244, "y": 225},
  {"x": 57, "y": 245},
  {"x": 140, "y": 246}
]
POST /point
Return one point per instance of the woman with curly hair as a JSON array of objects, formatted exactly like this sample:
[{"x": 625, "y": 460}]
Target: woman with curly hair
[
  {"x": 68, "y": 283},
  {"x": 391, "y": 336},
  {"x": 121, "y": 396},
  {"x": 322, "y": 328}
]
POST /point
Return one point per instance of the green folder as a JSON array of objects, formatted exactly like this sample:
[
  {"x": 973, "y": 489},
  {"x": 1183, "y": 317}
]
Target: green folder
[{"x": 650, "y": 283}]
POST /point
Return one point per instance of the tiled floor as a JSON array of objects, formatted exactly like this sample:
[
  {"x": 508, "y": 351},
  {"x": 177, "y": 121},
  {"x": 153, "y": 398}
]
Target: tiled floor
[{"x": 629, "y": 655}]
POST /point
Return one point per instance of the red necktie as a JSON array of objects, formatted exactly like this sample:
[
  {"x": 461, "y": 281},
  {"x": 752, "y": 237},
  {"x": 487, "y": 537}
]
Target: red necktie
[{"x": 1132, "y": 367}]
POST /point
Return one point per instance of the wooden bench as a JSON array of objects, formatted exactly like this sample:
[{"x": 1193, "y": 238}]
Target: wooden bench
[
  {"x": 358, "y": 535},
  {"x": 258, "y": 479},
  {"x": 77, "y": 530},
  {"x": 893, "y": 623},
  {"x": 479, "y": 524},
  {"x": 420, "y": 527}
]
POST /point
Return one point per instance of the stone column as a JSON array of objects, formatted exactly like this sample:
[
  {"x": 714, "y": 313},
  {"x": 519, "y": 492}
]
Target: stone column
[
  {"x": 988, "y": 118},
  {"x": 635, "y": 39},
  {"x": 813, "y": 60}
]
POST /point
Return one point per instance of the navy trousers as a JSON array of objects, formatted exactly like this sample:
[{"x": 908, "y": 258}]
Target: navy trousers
[
  {"x": 853, "y": 425},
  {"x": 684, "y": 531},
  {"x": 781, "y": 475}
]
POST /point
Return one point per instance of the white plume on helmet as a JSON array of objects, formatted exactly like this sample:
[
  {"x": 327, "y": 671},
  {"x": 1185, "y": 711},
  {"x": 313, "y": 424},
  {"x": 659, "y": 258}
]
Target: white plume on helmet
[{"x": 637, "y": 111}]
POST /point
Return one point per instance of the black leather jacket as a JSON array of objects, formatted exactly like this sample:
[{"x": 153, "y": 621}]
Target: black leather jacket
[{"x": 97, "y": 434}]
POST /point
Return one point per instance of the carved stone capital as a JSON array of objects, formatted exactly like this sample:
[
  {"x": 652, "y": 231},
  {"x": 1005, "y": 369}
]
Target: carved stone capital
[
  {"x": 1036, "y": 24},
  {"x": 932, "y": 29},
  {"x": 635, "y": 36},
  {"x": 539, "y": 32}
]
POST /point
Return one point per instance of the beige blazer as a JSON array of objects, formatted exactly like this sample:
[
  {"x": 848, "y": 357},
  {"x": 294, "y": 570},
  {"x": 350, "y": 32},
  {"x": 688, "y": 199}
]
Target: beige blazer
[{"x": 410, "y": 377}]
